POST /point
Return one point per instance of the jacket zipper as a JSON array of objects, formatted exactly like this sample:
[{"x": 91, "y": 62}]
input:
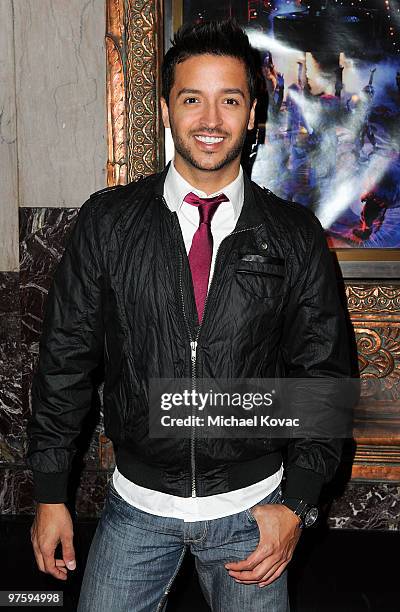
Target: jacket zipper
[
  {"x": 193, "y": 349},
  {"x": 193, "y": 358},
  {"x": 105, "y": 346}
]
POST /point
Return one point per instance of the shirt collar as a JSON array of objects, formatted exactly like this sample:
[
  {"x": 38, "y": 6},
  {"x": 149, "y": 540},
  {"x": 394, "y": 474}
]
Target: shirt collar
[{"x": 176, "y": 188}]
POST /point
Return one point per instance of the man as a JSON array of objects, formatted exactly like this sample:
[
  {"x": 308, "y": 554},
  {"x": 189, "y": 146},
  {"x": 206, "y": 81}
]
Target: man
[{"x": 192, "y": 272}]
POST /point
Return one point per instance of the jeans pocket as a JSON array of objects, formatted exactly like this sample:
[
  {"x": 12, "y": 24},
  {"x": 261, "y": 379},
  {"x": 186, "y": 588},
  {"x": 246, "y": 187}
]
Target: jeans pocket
[
  {"x": 117, "y": 506},
  {"x": 112, "y": 490},
  {"x": 271, "y": 498}
]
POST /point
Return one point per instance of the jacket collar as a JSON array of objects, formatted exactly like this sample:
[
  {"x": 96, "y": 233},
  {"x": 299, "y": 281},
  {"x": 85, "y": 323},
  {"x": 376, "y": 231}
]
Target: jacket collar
[
  {"x": 160, "y": 180},
  {"x": 251, "y": 214}
]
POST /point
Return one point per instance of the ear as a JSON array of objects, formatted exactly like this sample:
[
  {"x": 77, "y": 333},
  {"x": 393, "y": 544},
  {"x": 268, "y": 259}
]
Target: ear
[
  {"x": 252, "y": 117},
  {"x": 164, "y": 112}
]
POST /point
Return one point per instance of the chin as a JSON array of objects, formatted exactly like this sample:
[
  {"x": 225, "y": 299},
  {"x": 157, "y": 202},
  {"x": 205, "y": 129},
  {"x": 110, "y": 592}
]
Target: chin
[{"x": 210, "y": 163}]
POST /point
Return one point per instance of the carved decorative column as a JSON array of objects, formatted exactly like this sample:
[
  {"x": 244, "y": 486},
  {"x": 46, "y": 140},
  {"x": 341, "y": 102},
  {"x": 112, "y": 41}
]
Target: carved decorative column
[
  {"x": 144, "y": 50},
  {"x": 375, "y": 314},
  {"x": 134, "y": 51},
  {"x": 117, "y": 173}
]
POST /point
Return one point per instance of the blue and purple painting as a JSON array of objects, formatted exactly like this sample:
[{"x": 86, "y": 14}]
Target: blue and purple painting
[{"x": 328, "y": 111}]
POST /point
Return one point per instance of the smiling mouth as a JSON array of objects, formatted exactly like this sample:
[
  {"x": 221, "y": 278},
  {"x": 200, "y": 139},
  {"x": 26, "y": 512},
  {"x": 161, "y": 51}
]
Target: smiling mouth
[{"x": 209, "y": 139}]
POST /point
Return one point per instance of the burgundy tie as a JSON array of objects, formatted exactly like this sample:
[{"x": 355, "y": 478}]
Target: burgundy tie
[{"x": 200, "y": 254}]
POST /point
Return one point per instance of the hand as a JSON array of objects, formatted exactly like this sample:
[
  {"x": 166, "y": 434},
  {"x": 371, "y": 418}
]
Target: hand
[
  {"x": 279, "y": 533},
  {"x": 53, "y": 524}
]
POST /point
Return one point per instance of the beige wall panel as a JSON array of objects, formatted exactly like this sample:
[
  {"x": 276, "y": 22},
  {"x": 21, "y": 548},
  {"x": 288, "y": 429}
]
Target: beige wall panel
[
  {"x": 61, "y": 100},
  {"x": 9, "y": 256}
]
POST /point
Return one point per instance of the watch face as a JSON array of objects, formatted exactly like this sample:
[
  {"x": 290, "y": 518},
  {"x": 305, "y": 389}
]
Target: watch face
[{"x": 311, "y": 516}]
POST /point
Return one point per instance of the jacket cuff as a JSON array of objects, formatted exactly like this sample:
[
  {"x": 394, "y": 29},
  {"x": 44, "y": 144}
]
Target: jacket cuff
[
  {"x": 303, "y": 484},
  {"x": 50, "y": 488}
]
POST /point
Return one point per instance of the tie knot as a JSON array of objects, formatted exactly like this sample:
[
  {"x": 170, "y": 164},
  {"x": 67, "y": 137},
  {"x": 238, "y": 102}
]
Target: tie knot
[{"x": 206, "y": 206}]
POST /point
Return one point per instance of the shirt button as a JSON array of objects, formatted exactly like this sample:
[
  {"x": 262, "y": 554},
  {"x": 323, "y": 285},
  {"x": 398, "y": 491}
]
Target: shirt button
[{"x": 264, "y": 245}]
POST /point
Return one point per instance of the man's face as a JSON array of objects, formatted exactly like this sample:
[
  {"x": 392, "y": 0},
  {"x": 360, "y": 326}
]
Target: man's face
[{"x": 209, "y": 111}]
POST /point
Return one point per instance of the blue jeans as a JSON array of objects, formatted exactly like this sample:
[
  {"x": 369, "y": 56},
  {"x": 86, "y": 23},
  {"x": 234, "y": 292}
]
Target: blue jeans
[{"x": 135, "y": 557}]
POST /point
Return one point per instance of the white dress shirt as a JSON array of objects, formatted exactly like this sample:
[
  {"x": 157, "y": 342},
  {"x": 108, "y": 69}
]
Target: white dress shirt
[
  {"x": 224, "y": 219},
  {"x": 192, "y": 509}
]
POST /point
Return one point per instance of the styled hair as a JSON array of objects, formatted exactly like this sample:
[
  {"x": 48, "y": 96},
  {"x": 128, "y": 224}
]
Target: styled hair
[{"x": 222, "y": 38}]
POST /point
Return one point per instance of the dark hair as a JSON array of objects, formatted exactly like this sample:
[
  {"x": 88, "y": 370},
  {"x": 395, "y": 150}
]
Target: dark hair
[{"x": 224, "y": 38}]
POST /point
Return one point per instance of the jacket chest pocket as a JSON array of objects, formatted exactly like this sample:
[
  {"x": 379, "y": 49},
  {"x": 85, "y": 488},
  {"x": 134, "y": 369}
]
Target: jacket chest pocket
[{"x": 261, "y": 277}]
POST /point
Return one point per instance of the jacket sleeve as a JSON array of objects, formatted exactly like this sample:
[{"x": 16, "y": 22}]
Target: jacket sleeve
[
  {"x": 315, "y": 344},
  {"x": 70, "y": 348}
]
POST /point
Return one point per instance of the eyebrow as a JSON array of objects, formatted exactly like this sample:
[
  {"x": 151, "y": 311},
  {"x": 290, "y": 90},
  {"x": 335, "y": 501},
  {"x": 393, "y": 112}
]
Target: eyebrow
[{"x": 234, "y": 90}]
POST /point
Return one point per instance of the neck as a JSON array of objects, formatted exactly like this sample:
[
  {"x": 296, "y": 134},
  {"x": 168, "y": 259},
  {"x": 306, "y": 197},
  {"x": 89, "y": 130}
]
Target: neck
[{"x": 209, "y": 181}]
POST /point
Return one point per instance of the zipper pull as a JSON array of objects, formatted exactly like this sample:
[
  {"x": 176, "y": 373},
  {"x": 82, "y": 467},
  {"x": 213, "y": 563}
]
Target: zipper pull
[{"x": 193, "y": 346}]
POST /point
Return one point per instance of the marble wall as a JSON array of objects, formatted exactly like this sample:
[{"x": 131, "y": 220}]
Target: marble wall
[
  {"x": 43, "y": 234},
  {"x": 60, "y": 98},
  {"x": 53, "y": 155},
  {"x": 53, "y": 136},
  {"x": 8, "y": 143},
  {"x": 367, "y": 505}
]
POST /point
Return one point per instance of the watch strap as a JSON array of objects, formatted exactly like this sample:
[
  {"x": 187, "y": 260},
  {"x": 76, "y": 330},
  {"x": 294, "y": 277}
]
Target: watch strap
[{"x": 299, "y": 506}]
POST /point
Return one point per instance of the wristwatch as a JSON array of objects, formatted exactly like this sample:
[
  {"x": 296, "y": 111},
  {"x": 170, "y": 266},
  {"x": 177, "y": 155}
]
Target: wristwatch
[{"x": 307, "y": 513}]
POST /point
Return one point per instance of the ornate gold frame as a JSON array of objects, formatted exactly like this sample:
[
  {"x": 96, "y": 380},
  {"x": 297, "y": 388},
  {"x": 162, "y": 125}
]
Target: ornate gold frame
[
  {"x": 116, "y": 115},
  {"x": 134, "y": 46},
  {"x": 375, "y": 314}
]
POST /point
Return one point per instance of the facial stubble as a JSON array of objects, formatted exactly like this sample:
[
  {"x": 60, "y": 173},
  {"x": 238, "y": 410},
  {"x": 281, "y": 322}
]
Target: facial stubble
[{"x": 186, "y": 154}]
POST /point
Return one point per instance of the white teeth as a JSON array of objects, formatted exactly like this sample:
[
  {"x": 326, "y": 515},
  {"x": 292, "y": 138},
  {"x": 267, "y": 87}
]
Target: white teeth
[{"x": 209, "y": 139}]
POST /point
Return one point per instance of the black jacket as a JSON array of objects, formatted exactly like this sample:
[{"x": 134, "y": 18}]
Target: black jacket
[{"x": 122, "y": 292}]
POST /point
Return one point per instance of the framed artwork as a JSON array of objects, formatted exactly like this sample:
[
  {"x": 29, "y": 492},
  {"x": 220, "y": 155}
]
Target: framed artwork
[{"x": 328, "y": 115}]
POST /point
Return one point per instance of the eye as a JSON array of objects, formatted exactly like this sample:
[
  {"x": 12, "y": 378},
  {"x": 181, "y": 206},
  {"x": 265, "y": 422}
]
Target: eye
[
  {"x": 190, "y": 100},
  {"x": 232, "y": 101}
]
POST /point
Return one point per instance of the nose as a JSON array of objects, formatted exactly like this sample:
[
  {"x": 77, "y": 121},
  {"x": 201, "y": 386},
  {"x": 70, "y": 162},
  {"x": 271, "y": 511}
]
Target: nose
[{"x": 211, "y": 117}]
